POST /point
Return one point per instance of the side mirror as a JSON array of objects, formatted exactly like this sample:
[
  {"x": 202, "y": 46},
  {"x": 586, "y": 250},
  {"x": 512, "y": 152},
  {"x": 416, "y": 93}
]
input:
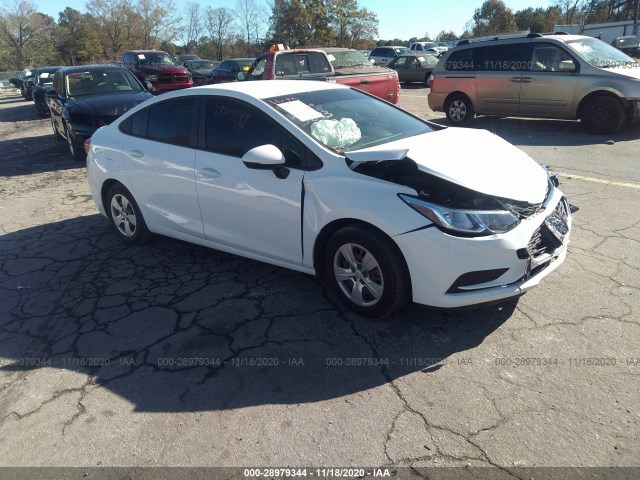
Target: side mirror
[
  {"x": 567, "y": 66},
  {"x": 52, "y": 94},
  {"x": 264, "y": 157},
  {"x": 148, "y": 85},
  {"x": 241, "y": 76}
]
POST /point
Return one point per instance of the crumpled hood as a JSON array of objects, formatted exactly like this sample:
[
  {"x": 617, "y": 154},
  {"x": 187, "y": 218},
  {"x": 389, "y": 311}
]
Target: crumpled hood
[
  {"x": 474, "y": 159},
  {"x": 107, "y": 104}
]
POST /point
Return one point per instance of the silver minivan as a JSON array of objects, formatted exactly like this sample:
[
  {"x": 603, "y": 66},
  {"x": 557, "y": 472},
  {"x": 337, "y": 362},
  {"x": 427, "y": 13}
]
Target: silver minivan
[{"x": 552, "y": 76}]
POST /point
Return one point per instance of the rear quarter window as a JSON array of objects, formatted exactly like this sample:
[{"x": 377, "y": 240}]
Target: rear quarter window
[{"x": 461, "y": 60}]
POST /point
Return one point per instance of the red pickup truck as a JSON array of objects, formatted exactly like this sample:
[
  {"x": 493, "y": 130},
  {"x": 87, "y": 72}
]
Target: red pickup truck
[
  {"x": 318, "y": 64},
  {"x": 159, "y": 68}
]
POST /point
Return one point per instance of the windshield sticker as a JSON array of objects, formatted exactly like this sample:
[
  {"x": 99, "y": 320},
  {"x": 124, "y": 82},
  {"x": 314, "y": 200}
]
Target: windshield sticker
[
  {"x": 141, "y": 56},
  {"x": 44, "y": 75},
  {"x": 331, "y": 57},
  {"x": 300, "y": 111}
]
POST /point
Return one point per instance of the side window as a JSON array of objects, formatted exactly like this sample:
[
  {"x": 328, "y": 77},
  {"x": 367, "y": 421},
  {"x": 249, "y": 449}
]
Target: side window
[
  {"x": 375, "y": 52},
  {"x": 225, "y": 66},
  {"x": 57, "y": 83},
  {"x": 547, "y": 58},
  {"x": 505, "y": 58},
  {"x": 258, "y": 69},
  {"x": 401, "y": 62},
  {"x": 461, "y": 60},
  {"x": 233, "y": 128},
  {"x": 173, "y": 121}
]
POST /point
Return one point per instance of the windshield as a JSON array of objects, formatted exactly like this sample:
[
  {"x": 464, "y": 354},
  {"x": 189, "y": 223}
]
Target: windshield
[
  {"x": 599, "y": 54},
  {"x": 246, "y": 63},
  {"x": 345, "y": 120},
  {"x": 155, "y": 58},
  {"x": 91, "y": 82},
  {"x": 201, "y": 64},
  {"x": 349, "y": 58},
  {"x": 403, "y": 51}
]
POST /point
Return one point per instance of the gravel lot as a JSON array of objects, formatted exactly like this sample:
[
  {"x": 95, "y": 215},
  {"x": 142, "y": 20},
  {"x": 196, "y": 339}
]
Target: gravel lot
[{"x": 176, "y": 355}]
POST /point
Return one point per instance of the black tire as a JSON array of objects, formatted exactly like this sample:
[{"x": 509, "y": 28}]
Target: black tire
[
  {"x": 77, "y": 154},
  {"x": 459, "y": 110},
  {"x": 377, "y": 292},
  {"x": 56, "y": 133},
  {"x": 602, "y": 114},
  {"x": 125, "y": 216},
  {"x": 426, "y": 80}
]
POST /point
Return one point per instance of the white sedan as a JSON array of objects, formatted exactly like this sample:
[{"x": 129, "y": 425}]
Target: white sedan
[{"x": 326, "y": 180}]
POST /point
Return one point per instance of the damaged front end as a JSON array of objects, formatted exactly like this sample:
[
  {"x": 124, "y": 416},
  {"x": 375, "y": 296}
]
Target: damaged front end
[{"x": 452, "y": 208}]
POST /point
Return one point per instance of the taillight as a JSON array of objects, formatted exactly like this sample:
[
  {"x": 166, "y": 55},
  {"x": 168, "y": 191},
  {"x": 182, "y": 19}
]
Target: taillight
[
  {"x": 432, "y": 81},
  {"x": 87, "y": 145}
]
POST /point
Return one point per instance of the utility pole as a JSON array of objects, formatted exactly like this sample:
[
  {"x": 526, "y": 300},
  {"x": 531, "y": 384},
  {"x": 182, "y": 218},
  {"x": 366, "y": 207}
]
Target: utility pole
[{"x": 635, "y": 19}]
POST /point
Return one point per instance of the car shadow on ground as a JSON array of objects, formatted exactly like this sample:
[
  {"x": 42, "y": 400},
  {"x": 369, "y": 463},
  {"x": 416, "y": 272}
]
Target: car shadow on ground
[
  {"x": 38, "y": 154},
  {"x": 176, "y": 327},
  {"x": 543, "y": 132},
  {"x": 22, "y": 111}
]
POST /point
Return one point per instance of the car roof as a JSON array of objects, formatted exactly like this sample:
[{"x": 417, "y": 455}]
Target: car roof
[
  {"x": 260, "y": 89},
  {"x": 81, "y": 68}
]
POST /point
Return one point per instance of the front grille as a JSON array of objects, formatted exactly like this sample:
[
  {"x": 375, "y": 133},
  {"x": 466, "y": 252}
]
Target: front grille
[
  {"x": 525, "y": 210},
  {"x": 543, "y": 241},
  {"x": 173, "y": 78}
]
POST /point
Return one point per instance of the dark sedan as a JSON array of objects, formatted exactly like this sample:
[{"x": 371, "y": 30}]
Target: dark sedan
[
  {"x": 86, "y": 98},
  {"x": 24, "y": 82},
  {"x": 201, "y": 70},
  {"x": 43, "y": 82},
  {"x": 414, "y": 68},
  {"x": 228, "y": 70}
]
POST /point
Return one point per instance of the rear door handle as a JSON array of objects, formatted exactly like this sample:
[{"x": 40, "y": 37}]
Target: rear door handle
[
  {"x": 526, "y": 80},
  {"x": 136, "y": 154},
  {"x": 516, "y": 79},
  {"x": 364, "y": 82},
  {"x": 210, "y": 172}
]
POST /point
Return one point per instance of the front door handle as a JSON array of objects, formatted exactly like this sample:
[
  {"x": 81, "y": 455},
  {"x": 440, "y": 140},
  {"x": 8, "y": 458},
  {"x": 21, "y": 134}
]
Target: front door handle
[
  {"x": 136, "y": 154},
  {"x": 210, "y": 172},
  {"x": 526, "y": 80},
  {"x": 364, "y": 82},
  {"x": 516, "y": 79}
]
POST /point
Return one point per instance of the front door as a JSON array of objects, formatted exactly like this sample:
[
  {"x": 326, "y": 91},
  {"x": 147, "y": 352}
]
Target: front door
[{"x": 249, "y": 209}]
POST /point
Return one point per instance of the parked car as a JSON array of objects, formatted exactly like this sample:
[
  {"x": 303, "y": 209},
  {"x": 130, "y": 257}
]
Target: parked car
[
  {"x": 414, "y": 68},
  {"x": 86, "y": 98},
  {"x": 432, "y": 48},
  {"x": 228, "y": 70},
  {"x": 628, "y": 45},
  {"x": 201, "y": 70},
  {"x": 21, "y": 82},
  {"x": 327, "y": 180},
  {"x": 187, "y": 56},
  {"x": 159, "y": 68},
  {"x": 553, "y": 76},
  {"x": 43, "y": 83},
  {"x": 383, "y": 55}
]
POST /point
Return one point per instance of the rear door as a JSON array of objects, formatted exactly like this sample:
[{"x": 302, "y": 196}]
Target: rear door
[
  {"x": 499, "y": 78},
  {"x": 545, "y": 90}
]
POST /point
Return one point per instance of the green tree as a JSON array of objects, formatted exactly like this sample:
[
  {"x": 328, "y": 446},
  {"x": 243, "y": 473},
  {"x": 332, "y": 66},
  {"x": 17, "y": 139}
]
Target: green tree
[
  {"x": 493, "y": 17},
  {"x": 290, "y": 23},
  {"x": 25, "y": 34},
  {"x": 77, "y": 42},
  {"x": 538, "y": 19},
  {"x": 112, "y": 20},
  {"x": 446, "y": 36}
]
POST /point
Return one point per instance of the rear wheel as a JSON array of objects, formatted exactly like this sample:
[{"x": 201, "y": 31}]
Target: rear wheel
[
  {"x": 427, "y": 80},
  {"x": 125, "y": 216},
  {"x": 367, "y": 272},
  {"x": 603, "y": 114},
  {"x": 459, "y": 110}
]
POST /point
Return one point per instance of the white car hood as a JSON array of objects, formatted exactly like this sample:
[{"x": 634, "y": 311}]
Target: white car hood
[
  {"x": 475, "y": 159},
  {"x": 632, "y": 71}
]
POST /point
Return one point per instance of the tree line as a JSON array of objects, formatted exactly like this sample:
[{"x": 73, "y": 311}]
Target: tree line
[{"x": 108, "y": 27}]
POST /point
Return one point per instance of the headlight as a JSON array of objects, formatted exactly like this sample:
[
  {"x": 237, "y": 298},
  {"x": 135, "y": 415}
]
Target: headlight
[
  {"x": 465, "y": 222},
  {"x": 152, "y": 78}
]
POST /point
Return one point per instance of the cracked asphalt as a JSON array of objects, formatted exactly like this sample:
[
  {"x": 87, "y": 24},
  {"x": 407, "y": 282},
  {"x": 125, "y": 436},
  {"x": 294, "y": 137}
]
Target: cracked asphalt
[{"x": 175, "y": 355}]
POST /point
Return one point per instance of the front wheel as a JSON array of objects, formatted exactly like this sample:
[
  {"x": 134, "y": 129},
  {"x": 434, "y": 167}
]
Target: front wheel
[
  {"x": 367, "y": 272},
  {"x": 77, "y": 154},
  {"x": 603, "y": 114},
  {"x": 125, "y": 216},
  {"x": 459, "y": 110}
]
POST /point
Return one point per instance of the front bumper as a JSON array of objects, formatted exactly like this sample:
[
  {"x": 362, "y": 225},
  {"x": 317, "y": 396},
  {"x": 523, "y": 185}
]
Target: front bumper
[
  {"x": 437, "y": 261},
  {"x": 169, "y": 87},
  {"x": 436, "y": 101}
]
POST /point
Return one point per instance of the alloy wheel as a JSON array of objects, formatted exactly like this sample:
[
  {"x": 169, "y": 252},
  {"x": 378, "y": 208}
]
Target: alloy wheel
[
  {"x": 358, "y": 275},
  {"x": 123, "y": 215}
]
